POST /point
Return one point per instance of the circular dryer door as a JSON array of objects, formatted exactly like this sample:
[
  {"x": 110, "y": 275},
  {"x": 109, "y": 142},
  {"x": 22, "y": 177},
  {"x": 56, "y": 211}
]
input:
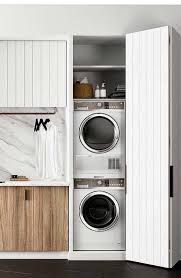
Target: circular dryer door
[
  {"x": 99, "y": 211},
  {"x": 99, "y": 133}
]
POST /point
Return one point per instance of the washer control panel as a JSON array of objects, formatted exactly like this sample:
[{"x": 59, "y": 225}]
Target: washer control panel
[
  {"x": 91, "y": 183},
  {"x": 98, "y": 104}
]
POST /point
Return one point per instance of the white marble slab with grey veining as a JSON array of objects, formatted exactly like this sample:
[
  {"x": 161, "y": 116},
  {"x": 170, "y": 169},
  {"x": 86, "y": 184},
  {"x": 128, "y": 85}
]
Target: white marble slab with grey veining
[{"x": 17, "y": 142}]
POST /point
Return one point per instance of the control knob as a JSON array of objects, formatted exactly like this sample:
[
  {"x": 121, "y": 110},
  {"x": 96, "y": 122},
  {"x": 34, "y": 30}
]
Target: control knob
[{"x": 99, "y": 104}]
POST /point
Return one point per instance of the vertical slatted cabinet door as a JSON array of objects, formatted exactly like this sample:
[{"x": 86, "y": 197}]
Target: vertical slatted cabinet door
[
  {"x": 15, "y": 74},
  {"x": 175, "y": 51},
  {"x": 147, "y": 146},
  {"x": 28, "y": 74},
  {"x": 58, "y": 73},
  {"x": 49, "y": 73},
  {"x": 41, "y": 74},
  {"x": 3, "y": 74},
  {"x": 19, "y": 58},
  {"x": 33, "y": 73},
  {"x": 62, "y": 73},
  {"x": 11, "y": 78}
]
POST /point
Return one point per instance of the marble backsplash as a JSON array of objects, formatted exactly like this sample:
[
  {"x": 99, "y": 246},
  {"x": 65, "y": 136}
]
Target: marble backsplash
[{"x": 17, "y": 142}]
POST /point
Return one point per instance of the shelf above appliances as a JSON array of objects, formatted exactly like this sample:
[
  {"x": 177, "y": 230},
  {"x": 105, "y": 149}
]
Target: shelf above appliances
[{"x": 90, "y": 68}]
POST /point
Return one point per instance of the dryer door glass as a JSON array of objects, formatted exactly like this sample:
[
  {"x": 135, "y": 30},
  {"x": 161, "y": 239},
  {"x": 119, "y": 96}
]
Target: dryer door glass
[
  {"x": 99, "y": 212},
  {"x": 99, "y": 133}
]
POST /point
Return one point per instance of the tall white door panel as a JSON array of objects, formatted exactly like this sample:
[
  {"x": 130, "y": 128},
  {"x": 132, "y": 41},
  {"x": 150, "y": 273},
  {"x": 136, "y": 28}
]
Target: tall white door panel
[
  {"x": 33, "y": 73},
  {"x": 147, "y": 146},
  {"x": 175, "y": 85}
]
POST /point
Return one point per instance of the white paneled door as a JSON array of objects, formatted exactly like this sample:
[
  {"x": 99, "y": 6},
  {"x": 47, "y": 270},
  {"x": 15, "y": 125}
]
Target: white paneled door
[
  {"x": 33, "y": 73},
  {"x": 147, "y": 146}
]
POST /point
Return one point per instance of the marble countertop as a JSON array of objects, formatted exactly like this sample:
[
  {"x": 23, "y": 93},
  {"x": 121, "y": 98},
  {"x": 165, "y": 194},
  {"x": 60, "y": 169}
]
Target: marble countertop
[{"x": 35, "y": 183}]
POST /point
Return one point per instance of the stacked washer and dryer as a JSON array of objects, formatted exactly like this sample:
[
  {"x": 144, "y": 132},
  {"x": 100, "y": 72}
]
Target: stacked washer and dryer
[{"x": 99, "y": 174}]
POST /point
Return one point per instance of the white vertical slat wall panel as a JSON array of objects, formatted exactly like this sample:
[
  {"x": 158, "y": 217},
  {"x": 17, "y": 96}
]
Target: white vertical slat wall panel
[
  {"x": 147, "y": 145},
  {"x": 3, "y": 74},
  {"x": 33, "y": 73},
  {"x": 19, "y": 73},
  {"x": 28, "y": 74}
]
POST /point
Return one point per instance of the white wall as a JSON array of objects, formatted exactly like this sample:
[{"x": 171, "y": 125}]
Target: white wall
[
  {"x": 91, "y": 20},
  {"x": 85, "y": 20}
]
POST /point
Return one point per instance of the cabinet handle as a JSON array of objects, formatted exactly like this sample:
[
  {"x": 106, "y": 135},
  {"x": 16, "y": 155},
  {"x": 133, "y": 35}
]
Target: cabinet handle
[
  {"x": 27, "y": 195},
  {"x": 171, "y": 181}
]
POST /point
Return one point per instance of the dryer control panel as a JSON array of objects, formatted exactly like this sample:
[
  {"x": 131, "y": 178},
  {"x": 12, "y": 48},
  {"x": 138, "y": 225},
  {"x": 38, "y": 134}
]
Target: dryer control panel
[{"x": 96, "y": 104}]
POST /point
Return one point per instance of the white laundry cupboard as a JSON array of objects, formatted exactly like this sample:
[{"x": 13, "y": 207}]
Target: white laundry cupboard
[
  {"x": 33, "y": 73},
  {"x": 152, "y": 155},
  {"x": 151, "y": 61}
]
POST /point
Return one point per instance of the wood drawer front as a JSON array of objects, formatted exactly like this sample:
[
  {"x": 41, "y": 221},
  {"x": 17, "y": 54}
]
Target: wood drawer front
[{"x": 34, "y": 218}]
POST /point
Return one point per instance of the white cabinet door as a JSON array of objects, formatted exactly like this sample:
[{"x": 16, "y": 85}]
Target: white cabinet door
[
  {"x": 147, "y": 146},
  {"x": 33, "y": 73},
  {"x": 3, "y": 73},
  {"x": 175, "y": 85}
]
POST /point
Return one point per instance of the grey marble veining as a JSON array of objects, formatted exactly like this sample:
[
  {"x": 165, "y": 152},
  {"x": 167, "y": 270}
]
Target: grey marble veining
[{"x": 17, "y": 142}]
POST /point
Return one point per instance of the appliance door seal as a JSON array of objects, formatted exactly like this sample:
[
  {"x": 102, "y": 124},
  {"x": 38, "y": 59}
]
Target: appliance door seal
[
  {"x": 99, "y": 133},
  {"x": 99, "y": 211}
]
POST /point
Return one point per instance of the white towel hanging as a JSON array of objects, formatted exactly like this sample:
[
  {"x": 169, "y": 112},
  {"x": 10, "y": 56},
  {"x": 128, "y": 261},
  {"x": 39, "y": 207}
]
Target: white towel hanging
[{"x": 48, "y": 152}]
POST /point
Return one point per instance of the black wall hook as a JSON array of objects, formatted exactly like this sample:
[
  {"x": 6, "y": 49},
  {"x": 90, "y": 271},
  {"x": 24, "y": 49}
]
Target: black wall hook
[{"x": 39, "y": 122}]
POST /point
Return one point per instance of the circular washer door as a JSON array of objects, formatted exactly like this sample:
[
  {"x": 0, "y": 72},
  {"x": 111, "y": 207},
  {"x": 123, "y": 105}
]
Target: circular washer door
[
  {"x": 99, "y": 211},
  {"x": 99, "y": 133}
]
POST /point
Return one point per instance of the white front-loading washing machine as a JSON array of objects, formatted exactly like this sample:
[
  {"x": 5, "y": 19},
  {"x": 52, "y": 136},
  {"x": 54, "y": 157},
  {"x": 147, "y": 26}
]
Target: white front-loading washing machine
[
  {"x": 99, "y": 138},
  {"x": 99, "y": 218}
]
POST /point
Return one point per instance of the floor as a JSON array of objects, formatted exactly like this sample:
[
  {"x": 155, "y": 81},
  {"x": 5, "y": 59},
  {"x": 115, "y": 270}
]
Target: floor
[{"x": 67, "y": 269}]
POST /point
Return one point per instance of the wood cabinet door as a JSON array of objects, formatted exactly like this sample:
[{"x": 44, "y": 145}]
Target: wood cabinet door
[
  {"x": 33, "y": 73},
  {"x": 33, "y": 218},
  {"x": 12, "y": 219},
  {"x": 50, "y": 220}
]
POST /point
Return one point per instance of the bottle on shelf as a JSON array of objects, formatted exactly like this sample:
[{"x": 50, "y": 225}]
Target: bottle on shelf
[
  {"x": 97, "y": 92},
  {"x": 103, "y": 90}
]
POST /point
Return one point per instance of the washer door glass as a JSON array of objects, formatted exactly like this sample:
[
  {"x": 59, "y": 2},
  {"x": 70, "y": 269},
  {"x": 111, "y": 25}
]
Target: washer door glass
[
  {"x": 99, "y": 133},
  {"x": 99, "y": 211}
]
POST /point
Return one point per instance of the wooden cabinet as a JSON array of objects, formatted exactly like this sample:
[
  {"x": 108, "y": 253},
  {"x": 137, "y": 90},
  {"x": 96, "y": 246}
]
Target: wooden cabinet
[
  {"x": 50, "y": 221},
  {"x": 33, "y": 73},
  {"x": 34, "y": 218},
  {"x": 152, "y": 77},
  {"x": 12, "y": 219}
]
